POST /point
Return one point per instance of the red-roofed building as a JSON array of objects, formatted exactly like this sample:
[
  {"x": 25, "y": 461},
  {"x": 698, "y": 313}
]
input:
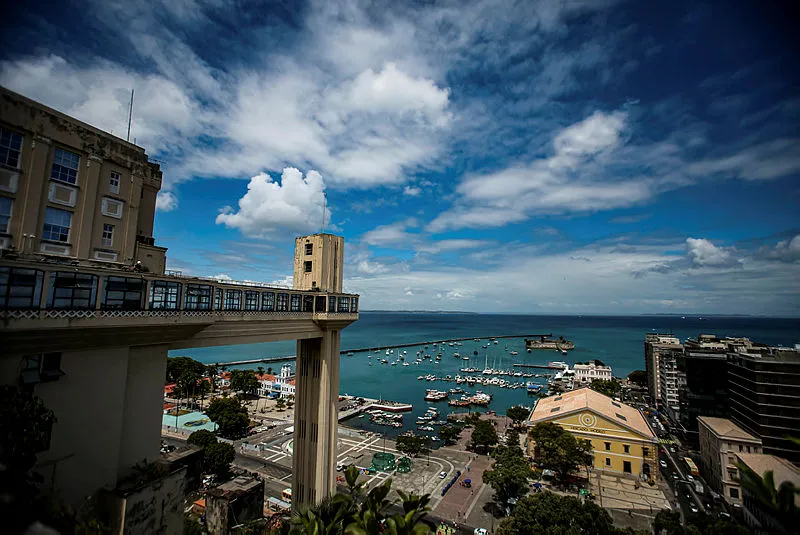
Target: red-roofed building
[{"x": 168, "y": 389}]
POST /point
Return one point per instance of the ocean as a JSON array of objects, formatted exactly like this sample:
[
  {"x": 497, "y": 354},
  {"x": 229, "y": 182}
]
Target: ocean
[{"x": 617, "y": 341}]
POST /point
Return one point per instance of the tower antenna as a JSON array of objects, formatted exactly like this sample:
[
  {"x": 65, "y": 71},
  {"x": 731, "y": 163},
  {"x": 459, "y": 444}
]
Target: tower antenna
[
  {"x": 130, "y": 117},
  {"x": 324, "y": 202}
]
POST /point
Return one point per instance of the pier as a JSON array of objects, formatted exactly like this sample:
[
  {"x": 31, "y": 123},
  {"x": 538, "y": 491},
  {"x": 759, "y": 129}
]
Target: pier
[
  {"x": 267, "y": 360},
  {"x": 540, "y": 366}
]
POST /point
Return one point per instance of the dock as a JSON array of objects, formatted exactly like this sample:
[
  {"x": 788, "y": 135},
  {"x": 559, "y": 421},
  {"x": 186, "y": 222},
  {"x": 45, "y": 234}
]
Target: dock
[
  {"x": 268, "y": 360},
  {"x": 540, "y": 366}
]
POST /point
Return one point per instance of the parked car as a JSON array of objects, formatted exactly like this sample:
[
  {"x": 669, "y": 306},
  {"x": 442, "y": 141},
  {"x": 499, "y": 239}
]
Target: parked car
[
  {"x": 442, "y": 474},
  {"x": 693, "y": 508},
  {"x": 663, "y": 463}
]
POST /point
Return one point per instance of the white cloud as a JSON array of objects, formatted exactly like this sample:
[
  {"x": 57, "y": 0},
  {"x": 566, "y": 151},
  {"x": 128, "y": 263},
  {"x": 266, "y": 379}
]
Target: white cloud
[
  {"x": 391, "y": 234},
  {"x": 166, "y": 201},
  {"x": 785, "y": 250},
  {"x": 766, "y": 161},
  {"x": 295, "y": 204},
  {"x": 703, "y": 253},
  {"x": 440, "y": 246},
  {"x": 412, "y": 191},
  {"x": 222, "y": 277},
  {"x": 368, "y": 267}
]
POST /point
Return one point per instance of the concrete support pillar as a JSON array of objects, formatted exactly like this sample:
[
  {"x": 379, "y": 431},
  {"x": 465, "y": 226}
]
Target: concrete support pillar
[{"x": 316, "y": 418}]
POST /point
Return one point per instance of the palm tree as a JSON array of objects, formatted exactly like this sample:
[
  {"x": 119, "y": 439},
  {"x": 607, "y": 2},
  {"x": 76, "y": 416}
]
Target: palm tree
[
  {"x": 328, "y": 517},
  {"x": 778, "y": 502}
]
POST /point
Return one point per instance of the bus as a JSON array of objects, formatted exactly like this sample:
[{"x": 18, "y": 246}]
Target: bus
[
  {"x": 692, "y": 467},
  {"x": 286, "y": 495}
]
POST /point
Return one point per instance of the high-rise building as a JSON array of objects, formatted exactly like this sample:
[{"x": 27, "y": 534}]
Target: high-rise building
[
  {"x": 671, "y": 381},
  {"x": 88, "y": 315},
  {"x": 764, "y": 396},
  {"x": 654, "y": 346}
]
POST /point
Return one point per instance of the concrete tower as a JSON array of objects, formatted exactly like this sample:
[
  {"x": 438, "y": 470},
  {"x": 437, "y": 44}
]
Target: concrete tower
[{"x": 318, "y": 263}]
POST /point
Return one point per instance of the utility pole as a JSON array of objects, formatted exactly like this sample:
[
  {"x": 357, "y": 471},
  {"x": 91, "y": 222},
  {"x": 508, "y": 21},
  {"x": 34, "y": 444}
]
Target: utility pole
[{"x": 130, "y": 117}]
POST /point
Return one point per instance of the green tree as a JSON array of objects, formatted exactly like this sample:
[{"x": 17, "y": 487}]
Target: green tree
[
  {"x": 218, "y": 458},
  {"x": 608, "y": 387},
  {"x": 229, "y": 415},
  {"x": 355, "y": 488},
  {"x": 512, "y": 437},
  {"x": 449, "y": 433},
  {"x": 244, "y": 381},
  {"x": 202, "y": 438},
  {"x": 280, "y": 404},
  {"x": 203, "y": 389},
  {"x": 517, "y": 414},
  {"x": 558, "y": 450},
  {"x": 483, "y": 434},
  {"x": 548, "y": 513},
  {"x": 412, "y": 445},
  {"x": 177, "y": 366},
  {"x": 778, "y": 501},
  {"x": 509, "y": 474},
  {"x": 638, "y": 377},
  {"x": 667, "y": 522}
]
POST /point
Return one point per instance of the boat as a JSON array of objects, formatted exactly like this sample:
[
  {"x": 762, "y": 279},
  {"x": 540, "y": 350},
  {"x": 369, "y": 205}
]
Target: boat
[
  {"x": 435, "y": 395},
  {"x": 405, "y": 364},
  {"x": 384, "y": 361},
  {"x": 464, "y": 358},
  {"x": 495, "y": 342},
  {"x": 514, "y": 353},
  {"x": 350, "y": 354},
  {"x": 563, "y": 351}
]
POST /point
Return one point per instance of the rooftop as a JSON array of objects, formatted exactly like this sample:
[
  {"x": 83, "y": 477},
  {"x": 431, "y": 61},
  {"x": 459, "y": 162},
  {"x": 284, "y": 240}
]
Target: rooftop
[
  {"x": 782, "y": 469},
  {"x": 586, "y": 398},
  {"x": 725, "y": 428},
  {"x": 240, "y": 484}
]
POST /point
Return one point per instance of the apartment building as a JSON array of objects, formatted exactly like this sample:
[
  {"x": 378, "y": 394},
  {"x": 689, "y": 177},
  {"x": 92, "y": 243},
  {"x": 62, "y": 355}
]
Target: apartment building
[
  {"x": 764, "y": 396},
  {"x": 591, "y": 371},
  {"x": 671, "y": 382},
  {"x": 720, "y": 441},
  {"x": 759, "y": 516},
  {"x": 654, "y": 346},
  {"x": 69, "y": 190}
]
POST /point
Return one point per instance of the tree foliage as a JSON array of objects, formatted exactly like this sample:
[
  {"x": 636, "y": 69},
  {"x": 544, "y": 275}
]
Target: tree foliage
[
  {"x": 777, "y": 500},
  {"x": 549, "y": 513},
  {"x": 412, "y": 445},
  {"x": 669, "y": 523},
  {"x": 638, "y": 377},
  {"x": 483, "y": 434},
  {"x": 449, "y": 433},
  {"x": 517, "y": 414},
  {"x": 509, "y": 474},
  {"x": 229, "y": 415},
  {"x": 177, "y": 366},
  {"x": 558, "y": 450},
  {"x": 218, "y": 458},
  {"x": 608, "y": 387},
  {"x": 202, "y": 438},
  {"x": 244, "y": 381}
]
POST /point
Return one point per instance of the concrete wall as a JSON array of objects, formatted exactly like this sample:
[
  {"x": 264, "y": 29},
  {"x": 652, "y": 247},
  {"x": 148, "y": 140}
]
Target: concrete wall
[
  {"x": 155, "y": 507},
  {"x": 327, "y": 263}
]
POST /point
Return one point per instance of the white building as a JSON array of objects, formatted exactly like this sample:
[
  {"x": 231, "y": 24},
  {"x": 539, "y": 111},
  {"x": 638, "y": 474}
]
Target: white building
[
  {"x": 672, "y": 380},
  {"x": 591, "y": 371},
  {"x": 282, "y": 385}
]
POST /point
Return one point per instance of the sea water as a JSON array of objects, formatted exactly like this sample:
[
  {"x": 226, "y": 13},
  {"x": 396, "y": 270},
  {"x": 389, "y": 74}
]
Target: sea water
[{"x": 617, "y": 341}]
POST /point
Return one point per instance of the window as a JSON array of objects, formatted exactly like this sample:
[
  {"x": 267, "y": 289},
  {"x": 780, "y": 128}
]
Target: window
[
  {"x": 108, "y": 235},
  {"x": 113, "y": 182},
  {"x": 165, "y": 295},
  {"x": 233, "y": 299},
  {"x": 309, "y": 249},
  {"x": 734, "y": 493},
  {"x": 740, "y": 448},
  {"x": 112, "y": 208},
  {"x": 250, "y": 300},
  {"x": 332, "y": 303},
  {"x": 283, "y": 302},
  {"x": 308, "y": 303},
  {"x": 555, "y": 409},
  {"x": 615, "y": 404},
  {"x": 198, "y": 297},
  {"x": 6, "y": 205},
  {"x": 72, "y": 290},
  {"x": 626, "y": 448},
  {"x": 295, "y": 303},
  {"x": 645, "y": 452},
  {"x": 608, "y": 461},
  {"x": 344, "y": 304},
  {"x": 20, "y": 288},
  {"x": 608, "y": 446},
  {"x": 319, "y": 304},
  {"x": 621, "y": 417},
  {"x": 268, "y": 301},
  {"x": 65, "y": 166},
  {"x": 56, "y": 225},
  {"x": 307, "y": 266},
  {"x": 41, "y": 368},
  {"x": 123, "y": 293},
  {"x": 626, "y": 467},
  {"x": 218, "y": 299},
  {"x": 10, "y": 147},
  {"x": 354, "y": 304},
  {"x": 748, "y": 449}
]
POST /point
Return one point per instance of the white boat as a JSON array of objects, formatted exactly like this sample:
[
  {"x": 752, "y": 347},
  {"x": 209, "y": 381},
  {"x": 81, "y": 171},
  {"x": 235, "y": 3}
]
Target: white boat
[
  {"x": 514, "y": 353},
  {"x": 405, "y": 364}
]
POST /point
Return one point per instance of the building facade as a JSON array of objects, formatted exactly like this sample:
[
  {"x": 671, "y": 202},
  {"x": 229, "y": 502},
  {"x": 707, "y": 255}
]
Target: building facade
[
  {"x": 591, "y": 371},
  {"x": 720, "y": 441},
  {"x": 672, "y": 380},
  {"x": 69, "y": 190},
  {"x": 654, "y": 346},
  {"x": 759, "y": 517},
  {"x": 622, "y": 441},
  {"x": 764, "y": 396},
  {"x": 282, "y": 385}
]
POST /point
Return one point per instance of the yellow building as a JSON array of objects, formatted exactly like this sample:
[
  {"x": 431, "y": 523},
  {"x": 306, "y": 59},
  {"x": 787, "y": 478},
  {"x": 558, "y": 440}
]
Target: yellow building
[{"x": 621, "y": 439}]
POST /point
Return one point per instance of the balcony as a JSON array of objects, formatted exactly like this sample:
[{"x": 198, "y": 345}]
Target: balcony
[{"x": 87, "y": 306}]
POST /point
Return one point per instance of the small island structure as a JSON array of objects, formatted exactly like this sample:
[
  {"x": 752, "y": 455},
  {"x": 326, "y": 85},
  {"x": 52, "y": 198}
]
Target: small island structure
[{"x": 545, "y": 341}]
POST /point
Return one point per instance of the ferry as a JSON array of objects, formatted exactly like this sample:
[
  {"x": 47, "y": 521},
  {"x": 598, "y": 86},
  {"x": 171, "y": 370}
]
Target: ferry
[{"x": 436, "y": 395}]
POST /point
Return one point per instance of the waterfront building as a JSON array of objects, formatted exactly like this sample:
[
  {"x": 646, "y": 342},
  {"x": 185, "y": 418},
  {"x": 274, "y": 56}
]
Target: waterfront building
[
  {"x": 654, "y": 346},
  {"x": 592, "y": 370},
  {"x": 84, "y": 294},
  {"x": 671, "y": 380},
  {"x": 622, "y": 442},
  {"x": 282, "y": 385},
  {"x": 720, "y": 441},
  {"x": 764, "y": 396},
  {"x": 756, "y": 514}
]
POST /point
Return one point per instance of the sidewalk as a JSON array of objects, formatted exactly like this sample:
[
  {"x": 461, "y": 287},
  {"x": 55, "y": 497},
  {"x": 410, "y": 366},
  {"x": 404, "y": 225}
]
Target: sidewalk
[{"x": 457, "y": 502}]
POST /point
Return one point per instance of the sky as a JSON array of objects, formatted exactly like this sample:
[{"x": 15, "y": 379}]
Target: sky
[{"x": 544, "y": 157}]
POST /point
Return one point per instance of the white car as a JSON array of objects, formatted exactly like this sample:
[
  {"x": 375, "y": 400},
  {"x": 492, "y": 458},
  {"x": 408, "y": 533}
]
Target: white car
[
  {"x": 693, "y": 508},
  {"x": 689, "y": 477},
  {"x": 442, "y": 475},
  {"x": 663, "y": 463},
  {"x": 480, "y": 531}
]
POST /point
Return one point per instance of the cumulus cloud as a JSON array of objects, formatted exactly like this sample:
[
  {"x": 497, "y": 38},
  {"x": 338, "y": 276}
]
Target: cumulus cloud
[
  {"x": 166, "y": 201},
  {"x": 784, "y": 251},
  {"x": 368, "y": 267},
  {"x": 703, "y": 253},
  {"x": 391, "y": 234},
  {"x": 295, "y": 204}
]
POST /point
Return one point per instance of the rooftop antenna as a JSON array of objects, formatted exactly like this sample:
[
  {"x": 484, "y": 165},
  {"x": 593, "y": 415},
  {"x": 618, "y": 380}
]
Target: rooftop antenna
[
  {"x": 324, "y": 202},
  {"x": 130, "y": 117}
]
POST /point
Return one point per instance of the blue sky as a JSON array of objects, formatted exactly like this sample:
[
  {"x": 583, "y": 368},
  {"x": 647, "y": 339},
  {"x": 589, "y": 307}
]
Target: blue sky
[{"x": 573, "y": 157}]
